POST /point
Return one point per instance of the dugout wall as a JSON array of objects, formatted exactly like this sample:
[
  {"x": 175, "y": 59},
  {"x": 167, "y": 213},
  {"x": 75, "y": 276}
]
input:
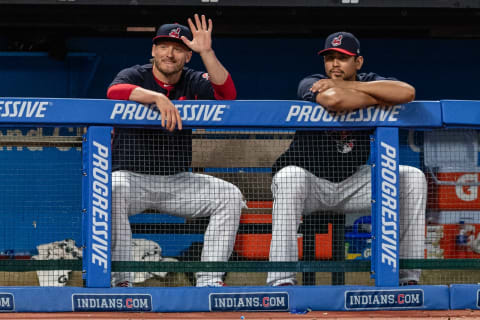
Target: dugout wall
[{"x": 215, "y": 121}]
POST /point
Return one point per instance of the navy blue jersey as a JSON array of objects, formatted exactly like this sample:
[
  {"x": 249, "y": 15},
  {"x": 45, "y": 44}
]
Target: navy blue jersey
[
  {"x": 158, "y": 151},
  {"x": 193, "y": 85},
  {"x": 329, "y": 154}
]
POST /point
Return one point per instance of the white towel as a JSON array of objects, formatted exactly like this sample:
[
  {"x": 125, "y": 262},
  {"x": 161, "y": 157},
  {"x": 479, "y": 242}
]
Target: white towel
[
  {"x": 59, "y": 250},
  {"x": 147, "y": 250},
  {"x": 143, "y": 250}
]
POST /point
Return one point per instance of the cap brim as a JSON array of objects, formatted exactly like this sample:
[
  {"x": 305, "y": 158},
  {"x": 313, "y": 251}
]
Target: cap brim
[{"x": 322, "y": 52}]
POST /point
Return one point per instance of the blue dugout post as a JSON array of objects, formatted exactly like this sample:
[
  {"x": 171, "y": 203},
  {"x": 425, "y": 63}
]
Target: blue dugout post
[
  {"x": 96, "y": 204},
  {"x": 385, "y": 207}
]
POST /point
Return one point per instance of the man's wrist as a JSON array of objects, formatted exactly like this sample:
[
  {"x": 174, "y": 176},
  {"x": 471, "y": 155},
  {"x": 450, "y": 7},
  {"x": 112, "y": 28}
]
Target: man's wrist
[
  {"x": 206, "y": 53},
  {"x": 160, "y": 96},
  {"x": 348, "y": 84}
]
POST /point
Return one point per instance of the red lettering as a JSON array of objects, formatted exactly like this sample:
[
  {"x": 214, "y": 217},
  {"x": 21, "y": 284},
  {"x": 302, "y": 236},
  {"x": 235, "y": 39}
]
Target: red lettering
[
  {"x": 401, "y": 298},
  {"x": 266, "y": 302},
  {"x": 128, "y": 303}
]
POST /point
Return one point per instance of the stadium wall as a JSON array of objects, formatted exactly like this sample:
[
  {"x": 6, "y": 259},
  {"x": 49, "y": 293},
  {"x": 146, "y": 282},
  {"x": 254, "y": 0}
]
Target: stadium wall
[{"x": 263, "y": 68}]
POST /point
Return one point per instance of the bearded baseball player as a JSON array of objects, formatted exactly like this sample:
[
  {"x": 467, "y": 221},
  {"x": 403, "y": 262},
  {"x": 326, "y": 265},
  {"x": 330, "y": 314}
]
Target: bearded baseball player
[
  {"x": 150, "y": 167},
  {"x": 327, "y": 170}
]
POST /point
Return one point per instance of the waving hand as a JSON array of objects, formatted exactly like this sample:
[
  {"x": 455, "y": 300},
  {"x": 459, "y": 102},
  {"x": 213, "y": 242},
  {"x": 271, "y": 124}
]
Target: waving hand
[{"x": 202, "y": 34}]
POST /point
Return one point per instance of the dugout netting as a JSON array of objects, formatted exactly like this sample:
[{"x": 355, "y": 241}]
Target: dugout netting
[
  {"x": 41, "y": 205},
  {"x": 450, "y": 159},
  {"x": 336, "y": 228},
  {"x": 40, "y": 174}
]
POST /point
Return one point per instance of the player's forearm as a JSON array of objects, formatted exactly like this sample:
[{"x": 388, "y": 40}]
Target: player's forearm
[
  {"x": 169, "y": 114},
  {"x": 387, "y": 91},
  {"x": 216, "y": 71},
  {"x": 340, "y": 99},
  {"x": 145, "y": 96}
]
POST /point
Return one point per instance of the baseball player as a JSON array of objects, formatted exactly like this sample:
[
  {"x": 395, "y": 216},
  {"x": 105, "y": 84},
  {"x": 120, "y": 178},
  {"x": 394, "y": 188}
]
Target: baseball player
[
  {"x": 150, "y": 167},
  {"x": 327, "y": 170}
]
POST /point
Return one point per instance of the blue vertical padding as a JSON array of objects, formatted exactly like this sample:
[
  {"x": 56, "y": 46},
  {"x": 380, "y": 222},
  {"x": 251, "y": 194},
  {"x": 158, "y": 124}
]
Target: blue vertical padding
[
  {"x": 85, "y": 198},
  {"x": 385, "y": 207},
  {"x": 96, "y": 201}
]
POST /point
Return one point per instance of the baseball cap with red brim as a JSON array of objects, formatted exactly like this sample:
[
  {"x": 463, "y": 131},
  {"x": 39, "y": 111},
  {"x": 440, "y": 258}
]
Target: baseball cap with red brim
[
  {"x": 343, "y": 42},
  {"x": 172, "y": 32}
]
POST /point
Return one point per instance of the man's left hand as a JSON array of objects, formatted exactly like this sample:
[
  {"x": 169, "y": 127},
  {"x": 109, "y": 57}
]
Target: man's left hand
[{"x": 325, "y": 84}]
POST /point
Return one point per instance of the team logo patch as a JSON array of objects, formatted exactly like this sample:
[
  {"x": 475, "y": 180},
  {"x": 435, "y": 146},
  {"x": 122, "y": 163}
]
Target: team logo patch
[
  {"x": 337, "y": 41},
  {"x": 7, "y": 303},
  {"x": 254, "y": 301},
  {"x": 205, "y": 76},
  {"x": 112, "y": 302},
  {"x": 344, "y": 142},
  {"x": 174, "y": 33},
  {"x": 383, "y": 299}
]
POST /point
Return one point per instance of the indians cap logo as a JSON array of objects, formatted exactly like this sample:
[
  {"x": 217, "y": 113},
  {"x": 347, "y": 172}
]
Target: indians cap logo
[
  {"x": 174, "y": 33},
  {"x": 337, "y": 41}
]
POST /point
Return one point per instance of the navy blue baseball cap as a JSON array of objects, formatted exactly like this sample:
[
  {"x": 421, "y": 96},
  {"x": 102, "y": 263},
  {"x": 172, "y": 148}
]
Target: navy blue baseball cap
[
  {"x": 172, "y": 32},
  {"x": 343, "y": 42}
]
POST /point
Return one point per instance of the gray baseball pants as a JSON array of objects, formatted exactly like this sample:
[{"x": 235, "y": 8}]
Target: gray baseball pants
[
  {"x": 298, "y": 192},
  {"x": 185, "y": 194}
]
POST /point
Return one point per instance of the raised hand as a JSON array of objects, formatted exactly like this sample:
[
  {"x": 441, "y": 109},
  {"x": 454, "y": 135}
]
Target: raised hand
[{"x": 202, "y": 34}]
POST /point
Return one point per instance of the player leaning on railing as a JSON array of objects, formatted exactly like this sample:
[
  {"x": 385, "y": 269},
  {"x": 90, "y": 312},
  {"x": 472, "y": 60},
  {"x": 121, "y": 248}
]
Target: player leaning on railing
[
  {"x": 326, "y": 170},
  {"x": 151, "y": 166}
]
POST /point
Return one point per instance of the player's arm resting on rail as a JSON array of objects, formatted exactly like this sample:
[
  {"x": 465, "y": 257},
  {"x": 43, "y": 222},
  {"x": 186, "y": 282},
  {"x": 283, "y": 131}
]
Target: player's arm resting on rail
[
  {"x": 342, "y": 95},
  {"x": 202, "y": 44},
  {"x": 340, "y": 99},
  {"x": 390, "y": 92},
  {"x": 170, "y": 115},
  {"x": 332, "y": 98}
]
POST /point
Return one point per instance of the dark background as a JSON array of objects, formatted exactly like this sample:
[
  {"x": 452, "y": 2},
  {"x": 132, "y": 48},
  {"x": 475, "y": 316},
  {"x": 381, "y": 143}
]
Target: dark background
[{"x": 74, "y": 48}]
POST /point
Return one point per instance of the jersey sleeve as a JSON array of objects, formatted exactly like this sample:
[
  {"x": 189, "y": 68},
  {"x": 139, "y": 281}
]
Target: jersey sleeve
[
  {"x": 124, "y": 83},
  {"x": 225, "y": 91},
  {"x": 200, "y": 86},
  {"x": 374, "y": 77},
  {"x": 205, "y": 89},
  {"x": 120, "y": 91},
  {"x": 129, "y": 76},
  {"x": 304, "y": 92}
]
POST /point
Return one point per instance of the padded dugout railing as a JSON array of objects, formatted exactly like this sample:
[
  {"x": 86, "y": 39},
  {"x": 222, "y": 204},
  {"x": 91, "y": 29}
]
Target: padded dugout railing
[{"x": 100, "y": 116}]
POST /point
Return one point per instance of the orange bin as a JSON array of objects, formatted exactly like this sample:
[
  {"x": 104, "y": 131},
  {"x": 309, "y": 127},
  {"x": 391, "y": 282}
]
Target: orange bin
[{"x": 256, "y": 246}]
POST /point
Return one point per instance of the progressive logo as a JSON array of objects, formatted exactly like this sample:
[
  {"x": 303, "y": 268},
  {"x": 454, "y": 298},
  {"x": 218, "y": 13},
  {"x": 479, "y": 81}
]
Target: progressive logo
[
  {"x": 308, "y": 113},
  {"x": 112, "y": 302},
  {"x": 196, "y": 112},
  {"x": 383, "y": 299},
  {"x": 255, "y": 301},
  {"x": 388, "y": 185},
  {"x": 20, "y": 109},
  {"x": 100, "y": 204}
]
